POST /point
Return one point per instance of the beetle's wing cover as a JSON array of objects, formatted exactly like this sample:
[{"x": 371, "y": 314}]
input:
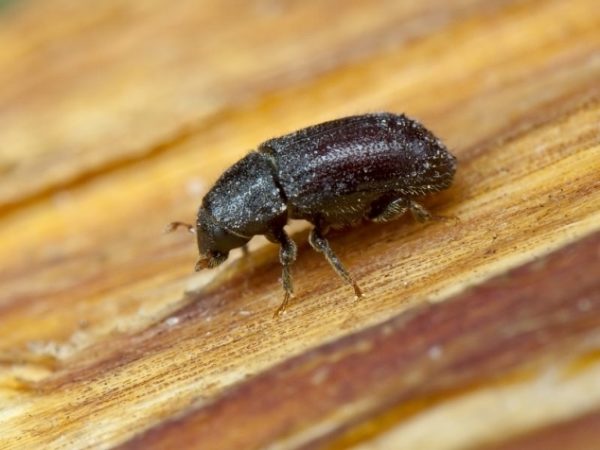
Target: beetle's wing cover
[{"x": 347, "y": 163}]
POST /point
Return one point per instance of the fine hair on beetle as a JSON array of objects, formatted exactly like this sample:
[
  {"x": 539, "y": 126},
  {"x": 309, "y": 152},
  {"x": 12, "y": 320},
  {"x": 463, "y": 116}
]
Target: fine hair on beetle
[{"x": 334, "y": 174}]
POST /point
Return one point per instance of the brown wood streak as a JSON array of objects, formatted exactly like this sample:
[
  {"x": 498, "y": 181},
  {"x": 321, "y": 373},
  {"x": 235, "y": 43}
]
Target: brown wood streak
[
  {"x": 580, "y": 433},
  {"x": 508, "y": 325}
]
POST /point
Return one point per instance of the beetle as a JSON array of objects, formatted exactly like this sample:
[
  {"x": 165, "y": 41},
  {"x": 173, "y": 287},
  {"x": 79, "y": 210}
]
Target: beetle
[{"x": 334, "y": 174}]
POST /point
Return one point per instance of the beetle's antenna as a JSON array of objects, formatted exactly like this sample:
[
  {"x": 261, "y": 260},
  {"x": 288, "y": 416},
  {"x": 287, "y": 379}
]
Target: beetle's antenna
[{"x": 174, "y": 225}]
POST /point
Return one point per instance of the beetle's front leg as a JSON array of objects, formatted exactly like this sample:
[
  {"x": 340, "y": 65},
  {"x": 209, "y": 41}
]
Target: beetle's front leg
[
  {"x": 287, "y": 255},
  {"x": 320, "y": 244}
]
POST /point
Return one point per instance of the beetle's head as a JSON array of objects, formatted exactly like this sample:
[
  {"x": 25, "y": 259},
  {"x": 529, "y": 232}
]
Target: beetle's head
[{"x": 214, "y": 241}]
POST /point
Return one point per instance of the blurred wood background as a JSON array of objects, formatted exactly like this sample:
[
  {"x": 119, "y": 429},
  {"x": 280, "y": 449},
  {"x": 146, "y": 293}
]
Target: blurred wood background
[{"x": 116, "y": 117}]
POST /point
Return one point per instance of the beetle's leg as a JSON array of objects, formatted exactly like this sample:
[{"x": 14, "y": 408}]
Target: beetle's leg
[
  {"x": 422, "y": 215},
  {"x": 320, "y": 244},
  {"x": 287, "y": 255},
  {"x": 398, "y": 206},
  {"x": 419, "y": 212},
  {"x": 392, "y": 210}
]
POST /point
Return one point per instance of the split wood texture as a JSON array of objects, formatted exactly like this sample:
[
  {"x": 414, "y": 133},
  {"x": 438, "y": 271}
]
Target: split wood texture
[{"x": 116, "y": 117}]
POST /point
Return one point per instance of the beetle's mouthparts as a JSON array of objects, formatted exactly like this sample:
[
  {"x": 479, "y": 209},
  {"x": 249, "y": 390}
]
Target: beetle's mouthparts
[{"x": 202, "y": 263}]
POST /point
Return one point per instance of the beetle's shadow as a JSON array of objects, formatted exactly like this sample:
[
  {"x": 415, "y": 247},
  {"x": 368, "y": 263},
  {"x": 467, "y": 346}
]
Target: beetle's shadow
[{"x": 234, "y": 286}]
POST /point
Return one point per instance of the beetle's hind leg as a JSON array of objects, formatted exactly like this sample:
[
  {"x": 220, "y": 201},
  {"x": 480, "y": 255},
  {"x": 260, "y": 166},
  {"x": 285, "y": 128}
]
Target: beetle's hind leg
[
  {"x": 320, "y": 244},
  {"x": 287, "y": 255},
  {"x": 386, "y": 210},
  {"x": 423, "y": 215}
]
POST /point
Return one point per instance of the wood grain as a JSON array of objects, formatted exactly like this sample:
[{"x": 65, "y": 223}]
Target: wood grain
[
  {"x": 116, "y": 118},
  {"x": 500, "y": 335},
  {"x": 579, "y": 433}
]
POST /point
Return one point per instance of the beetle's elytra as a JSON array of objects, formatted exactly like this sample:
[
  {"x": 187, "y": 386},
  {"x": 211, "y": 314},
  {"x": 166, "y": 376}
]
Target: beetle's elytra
[{"x": 336, "y": 173}]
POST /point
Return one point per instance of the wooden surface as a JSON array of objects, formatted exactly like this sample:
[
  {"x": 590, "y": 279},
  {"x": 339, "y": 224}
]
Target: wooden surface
[
  {"x": 116, "y": 118},
  {"x": 430, "y": 356}
]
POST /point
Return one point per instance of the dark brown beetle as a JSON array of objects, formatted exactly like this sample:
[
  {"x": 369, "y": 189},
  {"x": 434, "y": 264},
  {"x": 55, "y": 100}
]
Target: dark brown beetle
[{"x": 334, "y": 174}]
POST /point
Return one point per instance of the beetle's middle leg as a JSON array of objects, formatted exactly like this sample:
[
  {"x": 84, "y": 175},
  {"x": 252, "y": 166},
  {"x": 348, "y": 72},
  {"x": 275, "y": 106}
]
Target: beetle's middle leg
[
  {"x": 320, "y": 244},
  {"x": 287, "y": 255}
]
